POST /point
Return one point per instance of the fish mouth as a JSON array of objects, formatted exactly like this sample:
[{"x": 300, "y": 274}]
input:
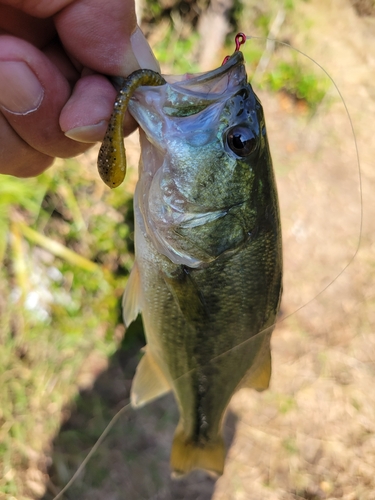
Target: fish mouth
[
  {"x": 191, "y": 79},
  {"x": 185, "y": 95},
  {"x": 189, "y": 94}
]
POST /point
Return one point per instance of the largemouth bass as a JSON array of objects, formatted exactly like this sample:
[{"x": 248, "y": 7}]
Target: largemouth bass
[{"x": 208, "y": 271}]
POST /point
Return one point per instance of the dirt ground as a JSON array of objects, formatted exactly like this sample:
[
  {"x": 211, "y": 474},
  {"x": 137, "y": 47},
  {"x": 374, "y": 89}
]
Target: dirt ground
[{"x": 312, "y": 434}]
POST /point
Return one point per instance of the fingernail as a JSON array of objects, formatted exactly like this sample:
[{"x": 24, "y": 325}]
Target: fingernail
[
  {"x": 143, "y": 52},
  {"x": 20, "y": 90},
  {"x": 89, "y": 133}
]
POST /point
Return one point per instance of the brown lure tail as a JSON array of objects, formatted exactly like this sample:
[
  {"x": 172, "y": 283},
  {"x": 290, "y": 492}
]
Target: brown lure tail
[
  {"x": 112, "y": 158},
  {"x": 187, "y": 455}
]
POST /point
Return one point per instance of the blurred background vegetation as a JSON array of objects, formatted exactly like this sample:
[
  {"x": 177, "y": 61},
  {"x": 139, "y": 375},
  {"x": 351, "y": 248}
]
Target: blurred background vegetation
[
  {"x": 66, "y": 246},
  {"x": 66, "y": 253}
]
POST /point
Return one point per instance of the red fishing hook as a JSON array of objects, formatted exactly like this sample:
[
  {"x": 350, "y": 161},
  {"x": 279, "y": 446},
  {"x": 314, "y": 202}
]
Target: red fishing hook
[{"x": 240, "y": 39}]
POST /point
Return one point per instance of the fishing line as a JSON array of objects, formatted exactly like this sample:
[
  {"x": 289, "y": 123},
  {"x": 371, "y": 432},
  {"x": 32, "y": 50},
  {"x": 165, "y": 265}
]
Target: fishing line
[
  {"x": 354, "y": 136},
  {"x": 240, "y": 39},
  {"x": 358, "y": 165},
  {"x": 99, "y": 441}
]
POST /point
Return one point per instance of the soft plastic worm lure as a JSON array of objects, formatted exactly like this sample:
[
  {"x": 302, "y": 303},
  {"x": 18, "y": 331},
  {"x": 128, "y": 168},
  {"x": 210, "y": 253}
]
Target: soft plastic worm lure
[{"x": 112, "y": 157}]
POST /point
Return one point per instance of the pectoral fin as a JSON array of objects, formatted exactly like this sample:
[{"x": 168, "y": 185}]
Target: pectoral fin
[
  {"x": 259, "y": 379},
  {"x": 131, "y": 299},
  {"x": 149, "y": 382},
  {"x": 187, "y": 295}
]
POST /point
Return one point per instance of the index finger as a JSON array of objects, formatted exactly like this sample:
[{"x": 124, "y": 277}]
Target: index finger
[
  {"x": 38, "y": 8},
  {"x": 98, "y": 34}
]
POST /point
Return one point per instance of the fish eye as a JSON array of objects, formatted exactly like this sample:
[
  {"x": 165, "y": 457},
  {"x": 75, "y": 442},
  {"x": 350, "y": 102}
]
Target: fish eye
[{"x": 241, "y": 140}]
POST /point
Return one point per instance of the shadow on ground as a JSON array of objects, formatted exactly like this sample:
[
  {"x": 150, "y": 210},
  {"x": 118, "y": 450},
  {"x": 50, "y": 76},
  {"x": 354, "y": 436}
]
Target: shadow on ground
[{"x": 133, "y": 460}]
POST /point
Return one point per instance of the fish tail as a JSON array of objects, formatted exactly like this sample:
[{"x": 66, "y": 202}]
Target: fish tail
[{"x": 187, "y": 455}]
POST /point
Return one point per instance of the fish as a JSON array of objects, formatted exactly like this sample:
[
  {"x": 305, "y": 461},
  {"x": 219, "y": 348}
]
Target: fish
[{"x": 207, "y": 276}]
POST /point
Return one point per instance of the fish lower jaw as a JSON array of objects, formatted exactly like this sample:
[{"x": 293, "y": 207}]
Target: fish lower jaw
[{"x": 176, "y": 255}]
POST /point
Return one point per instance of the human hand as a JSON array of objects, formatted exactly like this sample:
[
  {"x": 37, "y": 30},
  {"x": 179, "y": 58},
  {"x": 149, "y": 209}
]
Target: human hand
[{"x": 53, "y": 58}]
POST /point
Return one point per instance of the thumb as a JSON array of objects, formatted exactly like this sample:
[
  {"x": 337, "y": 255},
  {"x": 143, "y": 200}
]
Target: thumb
[{"x": 104, "y": 36}]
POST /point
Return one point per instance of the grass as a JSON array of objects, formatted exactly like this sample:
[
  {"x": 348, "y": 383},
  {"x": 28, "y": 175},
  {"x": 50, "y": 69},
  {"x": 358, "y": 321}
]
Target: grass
[
  {"x": 292, "y": 78},
  {"x": 65, "y": 255}
]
